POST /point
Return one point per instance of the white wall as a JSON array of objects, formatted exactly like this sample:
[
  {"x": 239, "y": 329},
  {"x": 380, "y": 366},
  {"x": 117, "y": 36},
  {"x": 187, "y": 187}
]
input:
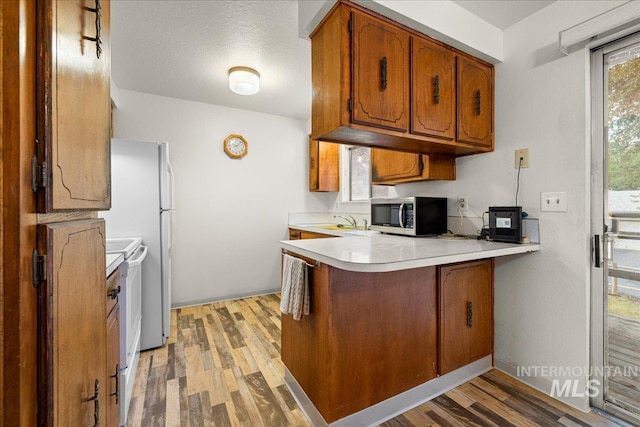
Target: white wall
[
  {"x": 541, "y": 299},
  {"x": 230, "y": 214}
]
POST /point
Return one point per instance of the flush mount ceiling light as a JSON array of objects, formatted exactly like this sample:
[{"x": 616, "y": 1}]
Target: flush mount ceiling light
[{"x": 244, "y": 80}]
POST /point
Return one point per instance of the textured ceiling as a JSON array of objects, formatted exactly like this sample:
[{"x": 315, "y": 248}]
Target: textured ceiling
[{"x": 184, "y": 48}]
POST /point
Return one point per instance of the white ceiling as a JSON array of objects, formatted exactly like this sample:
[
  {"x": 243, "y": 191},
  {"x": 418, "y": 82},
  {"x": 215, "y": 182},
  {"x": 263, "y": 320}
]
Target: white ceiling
[
  {"x": 503, "y": 13},
  {"x": 184, "y": 48}
]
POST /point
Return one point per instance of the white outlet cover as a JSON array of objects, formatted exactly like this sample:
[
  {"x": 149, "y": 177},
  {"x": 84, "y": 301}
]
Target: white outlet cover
[{"x": 553, "y": 202}]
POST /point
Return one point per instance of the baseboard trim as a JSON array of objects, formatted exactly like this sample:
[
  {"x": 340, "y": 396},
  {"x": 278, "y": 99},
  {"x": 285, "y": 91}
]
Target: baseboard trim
[
  {"x": 226, "y": 298},
  {"x": 394, "y": 406}
]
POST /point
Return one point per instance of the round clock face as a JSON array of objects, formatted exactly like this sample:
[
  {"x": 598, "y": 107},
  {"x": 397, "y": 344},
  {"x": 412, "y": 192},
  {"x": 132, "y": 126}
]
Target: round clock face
[{"x": 235, "y": 146}]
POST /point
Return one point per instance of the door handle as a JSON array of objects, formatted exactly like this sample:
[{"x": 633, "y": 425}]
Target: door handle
[
  {"x": 469, "y": 314},
  {"x": 383, "y": 73},
  {"x": 96, "y": 405},
  {"x": 596, "y": 251},
  {"x": 401, "y": 215}
]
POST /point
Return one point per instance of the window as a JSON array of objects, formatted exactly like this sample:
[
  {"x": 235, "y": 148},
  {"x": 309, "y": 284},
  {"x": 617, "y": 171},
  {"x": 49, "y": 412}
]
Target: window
[{"x": 355, "y": 176}]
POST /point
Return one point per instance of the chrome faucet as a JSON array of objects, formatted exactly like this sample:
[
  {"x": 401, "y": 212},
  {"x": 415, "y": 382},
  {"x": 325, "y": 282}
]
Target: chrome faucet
[{"x": 351, "y": 220}]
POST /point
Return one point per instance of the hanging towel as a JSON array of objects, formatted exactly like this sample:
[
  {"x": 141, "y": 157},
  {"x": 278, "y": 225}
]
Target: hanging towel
[{"x": 295, "y": 287}]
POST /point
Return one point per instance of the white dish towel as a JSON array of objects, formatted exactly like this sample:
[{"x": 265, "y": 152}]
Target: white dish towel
[{"x": 295, "y": 287}]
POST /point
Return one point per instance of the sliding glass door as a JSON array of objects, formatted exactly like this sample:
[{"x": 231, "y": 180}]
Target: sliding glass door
[{"x": 616, "y": 227}]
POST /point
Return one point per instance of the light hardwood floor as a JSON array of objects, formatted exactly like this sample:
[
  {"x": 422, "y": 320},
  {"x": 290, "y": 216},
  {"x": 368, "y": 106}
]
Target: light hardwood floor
[{"x": 221, "y": 367}]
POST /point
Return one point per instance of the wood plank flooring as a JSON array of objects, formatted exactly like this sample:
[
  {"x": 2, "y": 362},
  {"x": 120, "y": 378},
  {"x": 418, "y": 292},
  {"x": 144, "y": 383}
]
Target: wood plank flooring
[{"x": 221, "y": 367}]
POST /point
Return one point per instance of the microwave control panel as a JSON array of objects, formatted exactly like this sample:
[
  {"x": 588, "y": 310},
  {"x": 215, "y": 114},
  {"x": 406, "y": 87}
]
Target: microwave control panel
[{"x": 408, "y": 216}]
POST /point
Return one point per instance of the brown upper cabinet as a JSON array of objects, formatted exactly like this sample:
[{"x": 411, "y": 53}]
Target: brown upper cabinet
[
  {"x": 432, "y": 85},
  {"x": 380, "y": 73},
  {"x": 475, "y": 102},
  {"x": 324, "y": 166},
  {"x": 72, "y": 169},
  {"x": 380, "y": 84},
  {"x": 389, "y": 167}
]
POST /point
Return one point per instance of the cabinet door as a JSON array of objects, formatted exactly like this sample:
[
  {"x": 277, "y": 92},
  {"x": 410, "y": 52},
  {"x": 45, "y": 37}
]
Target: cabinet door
[
  {"x": 73, "y": 386},
  {"x": 433, "y": 90},
  {"x": 475, "y": 102},
  {"x": 466, "y": 313},
  {"x": 389, "y": 165},
  {"x": 113, "y": 368},
  {"x": 74, "y": 103},
  {"x": 380, "y": 61},
  {"x": 324, "y": 166}
]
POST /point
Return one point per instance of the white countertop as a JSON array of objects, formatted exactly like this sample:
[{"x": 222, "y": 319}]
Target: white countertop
[
  {"x": 382, "y": 252},
  {"x": 113, "y": 261},
  {"x": 320, "y": 228}
]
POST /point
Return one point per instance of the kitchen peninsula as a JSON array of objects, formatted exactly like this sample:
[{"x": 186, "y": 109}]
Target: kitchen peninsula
[{"x": 394, "y": 321}]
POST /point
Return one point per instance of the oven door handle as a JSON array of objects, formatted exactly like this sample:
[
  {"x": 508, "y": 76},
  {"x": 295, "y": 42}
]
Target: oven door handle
[{"x": 401, "y": 215}]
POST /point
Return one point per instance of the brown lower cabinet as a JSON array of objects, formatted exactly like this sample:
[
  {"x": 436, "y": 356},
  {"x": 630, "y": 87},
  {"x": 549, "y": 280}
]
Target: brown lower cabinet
[
  {"x": 113, "y": 350},
  {"x": 371, "y": 336},
  {"x": 466, "y": 313},
  {"x": 300, "y": 235}
]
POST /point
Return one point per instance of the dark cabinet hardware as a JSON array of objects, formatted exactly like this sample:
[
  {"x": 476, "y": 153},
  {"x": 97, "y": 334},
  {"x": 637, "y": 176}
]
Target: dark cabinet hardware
[
  {"x": 469, "y": 314},
  {"x": 436, "y": 89},
  {"x": 478, "y": 100},
  {"x": 113, "y": 294},
  {"x": 98, "y": 11},
  {"x": 116, "y": 376},
  {"x": 96, "y": 404},
  {"x": 383, "y": 73}
]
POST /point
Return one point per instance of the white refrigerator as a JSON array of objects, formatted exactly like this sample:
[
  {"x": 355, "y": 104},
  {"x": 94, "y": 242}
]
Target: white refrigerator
[{"x": 142, "y": 205}]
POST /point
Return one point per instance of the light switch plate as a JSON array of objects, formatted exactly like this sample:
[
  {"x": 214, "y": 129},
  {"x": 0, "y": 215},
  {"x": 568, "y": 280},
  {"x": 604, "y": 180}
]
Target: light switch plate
[{"x": 553, "y": 202}]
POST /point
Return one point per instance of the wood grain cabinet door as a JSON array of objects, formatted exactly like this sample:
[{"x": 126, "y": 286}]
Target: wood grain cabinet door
[
  {"x": 73, "y": 114},
  {"x": 380, "y": 61},
  {"x": 466, "y": 313},
  {"x": 433, "y": 90},
  {"x": 389, "y": 166},
  {"x": 475, "y": 102},
  {"x": 71, "y": 323}
]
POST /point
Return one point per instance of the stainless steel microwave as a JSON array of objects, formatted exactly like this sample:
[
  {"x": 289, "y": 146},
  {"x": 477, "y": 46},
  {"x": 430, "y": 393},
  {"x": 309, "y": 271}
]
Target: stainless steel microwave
[{"x": 410, "y": 216}]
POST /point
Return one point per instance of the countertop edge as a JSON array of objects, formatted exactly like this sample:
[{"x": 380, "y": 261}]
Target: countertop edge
[
  {"x": 113, "y": 262},
  {"x": 405, "y": 265}
]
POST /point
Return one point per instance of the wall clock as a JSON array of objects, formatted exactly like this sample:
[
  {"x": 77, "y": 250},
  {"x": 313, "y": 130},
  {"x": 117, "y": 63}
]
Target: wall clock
[{"x": 236, "y": 146}]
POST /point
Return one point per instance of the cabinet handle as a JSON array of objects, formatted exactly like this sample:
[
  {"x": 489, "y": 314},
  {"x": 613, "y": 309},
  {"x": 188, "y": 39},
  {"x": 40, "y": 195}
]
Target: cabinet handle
[
  {"x": 96, "y": 404},
  {"x": 116, "y": 376},
  {"x": 596, "y": 251},
  {"x": 478, "y": 100},
  {"x": 436, "y": 89},
  {"x": 383, "y": 73},
  {"x": 113, "y": 294},
  {"x": 469, "y": 314},
  {"x": 98, "y": 11}
]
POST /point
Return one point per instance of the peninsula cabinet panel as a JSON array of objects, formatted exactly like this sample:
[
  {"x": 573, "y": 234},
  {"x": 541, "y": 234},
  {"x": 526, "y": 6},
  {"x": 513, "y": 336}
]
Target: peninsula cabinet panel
[
  {"x": 324, "y": 166},
  {"x": 389, "y": 167},
  {"x": 73, "y": 388},
  {"x": 380, "y": 73},
  {"x": 466, "y": 313},
  {"x": 475, "y": 102},
  {"x": 369, "y": 337},
  {"x": 433, "y": 88},
  {"x": 73, "y": 105}
]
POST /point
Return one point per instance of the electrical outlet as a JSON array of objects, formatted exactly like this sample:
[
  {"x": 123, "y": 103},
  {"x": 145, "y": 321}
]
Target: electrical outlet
[
  {"x": 463, "y": 204},
  {"x": 523, "y": 154}
]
